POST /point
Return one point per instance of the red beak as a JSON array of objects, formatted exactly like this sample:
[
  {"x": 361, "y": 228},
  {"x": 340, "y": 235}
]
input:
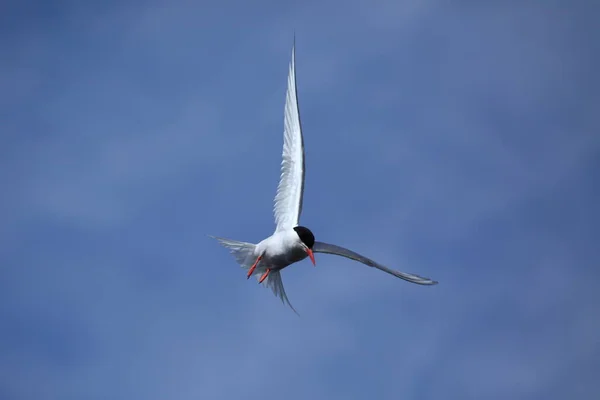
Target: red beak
[{"x": 311, "y": 255}]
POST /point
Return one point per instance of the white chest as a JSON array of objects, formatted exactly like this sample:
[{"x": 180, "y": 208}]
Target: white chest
[{"x": 282, "y": 249}]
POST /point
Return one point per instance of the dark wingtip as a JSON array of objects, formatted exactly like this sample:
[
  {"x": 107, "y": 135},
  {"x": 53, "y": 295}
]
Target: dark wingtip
[{"x": 427, "y": 282}]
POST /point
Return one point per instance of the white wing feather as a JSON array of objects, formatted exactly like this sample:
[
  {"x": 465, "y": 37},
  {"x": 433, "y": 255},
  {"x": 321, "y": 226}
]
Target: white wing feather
[
  {"x": 288, "y": 200},
  {"x": 320, "y": 247}
]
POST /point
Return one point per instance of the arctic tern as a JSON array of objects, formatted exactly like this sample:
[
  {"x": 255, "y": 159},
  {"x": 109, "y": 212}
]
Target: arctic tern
[{"x": 291, "y": 242}]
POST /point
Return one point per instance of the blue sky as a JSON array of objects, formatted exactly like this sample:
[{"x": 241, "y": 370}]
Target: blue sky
[{"x": 458, "y": 142}]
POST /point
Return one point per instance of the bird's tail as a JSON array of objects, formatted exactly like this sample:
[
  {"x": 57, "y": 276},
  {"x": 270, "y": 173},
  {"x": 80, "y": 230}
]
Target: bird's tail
[
  {"x": 245, "y": 256},
  {"x": 242, "y": 251}
]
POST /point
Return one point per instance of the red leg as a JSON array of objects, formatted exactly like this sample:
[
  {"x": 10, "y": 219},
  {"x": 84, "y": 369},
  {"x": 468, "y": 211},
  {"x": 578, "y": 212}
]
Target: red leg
[
  {"x": 264, "y": 276},
  {"x": 253, "y": 267}
]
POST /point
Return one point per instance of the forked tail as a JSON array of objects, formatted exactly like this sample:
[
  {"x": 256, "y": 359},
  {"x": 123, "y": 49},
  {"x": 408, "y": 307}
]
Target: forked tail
[
  {"x": 242, "y": 251},
  {"x": 245, "y": 257}
]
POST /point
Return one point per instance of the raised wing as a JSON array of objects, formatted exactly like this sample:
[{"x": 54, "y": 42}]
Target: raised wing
[
  {"x": 288, "y": 200},
  {"x": 320, "y": 247}
]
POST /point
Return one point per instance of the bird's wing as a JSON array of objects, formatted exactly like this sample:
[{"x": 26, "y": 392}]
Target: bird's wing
[
  {"x": 320, "y": 247},
  {"x": 288, "y": 200}
]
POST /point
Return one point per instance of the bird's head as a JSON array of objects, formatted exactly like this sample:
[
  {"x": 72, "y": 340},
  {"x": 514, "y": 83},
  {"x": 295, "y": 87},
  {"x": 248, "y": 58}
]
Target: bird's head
[{"x": 308, "y": 240}]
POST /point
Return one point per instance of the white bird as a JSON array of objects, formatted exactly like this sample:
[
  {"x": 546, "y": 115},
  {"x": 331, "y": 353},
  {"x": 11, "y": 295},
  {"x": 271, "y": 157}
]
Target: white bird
[{"x": 291, "y": 242}]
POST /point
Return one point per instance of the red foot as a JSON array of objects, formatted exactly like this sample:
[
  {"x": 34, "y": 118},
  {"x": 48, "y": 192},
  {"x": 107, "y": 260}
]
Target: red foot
[
  {"x": 264, "y": 276},
  {"x": 253, "y": 267}
]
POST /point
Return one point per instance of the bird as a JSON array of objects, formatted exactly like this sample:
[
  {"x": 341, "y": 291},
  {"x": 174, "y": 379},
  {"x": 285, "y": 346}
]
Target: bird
[{"x": 291, "y": 242}]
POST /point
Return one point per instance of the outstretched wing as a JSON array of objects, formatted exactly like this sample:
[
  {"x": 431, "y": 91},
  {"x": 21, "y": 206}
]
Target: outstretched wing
[
  {"x": 288, "y": 200},
  {"x": 320, "y": 247}
]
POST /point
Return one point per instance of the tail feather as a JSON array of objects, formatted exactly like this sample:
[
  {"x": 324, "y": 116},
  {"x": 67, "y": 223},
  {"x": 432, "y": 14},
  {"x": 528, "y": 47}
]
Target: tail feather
[
  {"x": 245, "y": 256},
  {"x": 274, "y": 282},
  {"x": 242, "y": 251}
]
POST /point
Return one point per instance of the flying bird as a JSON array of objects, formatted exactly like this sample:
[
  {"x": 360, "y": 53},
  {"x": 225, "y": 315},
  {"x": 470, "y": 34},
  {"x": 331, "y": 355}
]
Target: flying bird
[{"x": 292, "y": 242}]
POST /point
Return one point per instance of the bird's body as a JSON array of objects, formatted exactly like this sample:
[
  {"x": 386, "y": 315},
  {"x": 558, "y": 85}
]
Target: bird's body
[
  {"x": 291, "y": 242},
  {"x": 280, "y": 250}
]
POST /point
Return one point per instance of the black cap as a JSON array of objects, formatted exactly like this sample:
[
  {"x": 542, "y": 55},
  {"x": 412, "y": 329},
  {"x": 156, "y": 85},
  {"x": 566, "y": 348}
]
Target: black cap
[{"x": 306, "y": 236}]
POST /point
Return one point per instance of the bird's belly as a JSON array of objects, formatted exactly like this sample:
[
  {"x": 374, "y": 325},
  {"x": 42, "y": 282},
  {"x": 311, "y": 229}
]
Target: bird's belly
[{"x": 282, "y": 260}]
